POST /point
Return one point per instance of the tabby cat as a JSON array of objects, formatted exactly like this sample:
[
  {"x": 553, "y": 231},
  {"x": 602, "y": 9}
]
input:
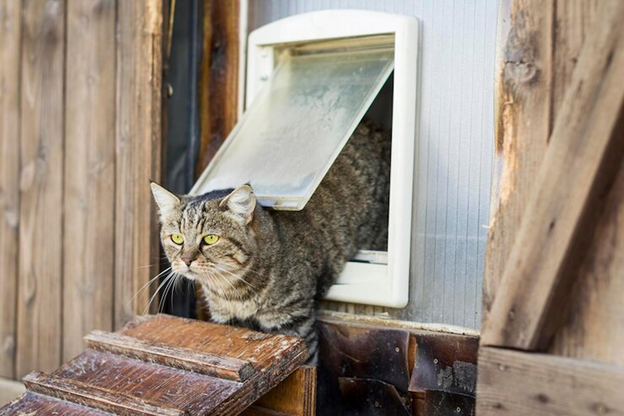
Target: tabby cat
[{"x": 266, "y": 269}]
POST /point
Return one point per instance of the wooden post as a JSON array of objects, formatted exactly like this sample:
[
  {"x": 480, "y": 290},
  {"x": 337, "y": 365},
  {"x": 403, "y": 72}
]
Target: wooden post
[
  {"x": 10, "y": 34},
  {"x": 584, "y": 154},
  {"x": 523, "y": 95}
]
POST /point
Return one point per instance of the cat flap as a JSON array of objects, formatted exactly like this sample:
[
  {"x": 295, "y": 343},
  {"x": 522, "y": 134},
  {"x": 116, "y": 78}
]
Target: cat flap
[{"x": 297, "y": 125}]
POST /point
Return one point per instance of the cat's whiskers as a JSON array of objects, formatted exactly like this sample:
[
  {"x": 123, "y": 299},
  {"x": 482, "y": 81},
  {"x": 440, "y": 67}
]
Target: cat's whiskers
[
  {"x": 145, "y": 286},
  {"x": 165, "y": 281}
]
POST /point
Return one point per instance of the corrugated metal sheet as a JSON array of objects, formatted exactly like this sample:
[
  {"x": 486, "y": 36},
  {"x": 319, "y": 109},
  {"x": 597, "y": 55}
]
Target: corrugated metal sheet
[{"x": 456, "y": 136}]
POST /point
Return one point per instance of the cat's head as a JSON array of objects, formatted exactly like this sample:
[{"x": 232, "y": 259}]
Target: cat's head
[{"x": 209, "y": 238}]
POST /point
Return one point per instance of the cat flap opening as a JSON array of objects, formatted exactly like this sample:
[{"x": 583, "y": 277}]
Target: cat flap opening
[{"x": 297, "y": 125}]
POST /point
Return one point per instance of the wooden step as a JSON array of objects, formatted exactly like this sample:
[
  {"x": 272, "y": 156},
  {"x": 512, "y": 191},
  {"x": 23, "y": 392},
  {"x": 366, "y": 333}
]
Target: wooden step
[
  {"x": 163, "y": 365},
  {"x": 183, "y": 358}
]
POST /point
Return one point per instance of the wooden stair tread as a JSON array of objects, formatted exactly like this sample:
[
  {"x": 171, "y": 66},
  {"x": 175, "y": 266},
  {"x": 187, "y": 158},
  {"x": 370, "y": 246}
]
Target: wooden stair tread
[
  {"x": 163, "y": 365},
  {"x": 182, "y": 358}
]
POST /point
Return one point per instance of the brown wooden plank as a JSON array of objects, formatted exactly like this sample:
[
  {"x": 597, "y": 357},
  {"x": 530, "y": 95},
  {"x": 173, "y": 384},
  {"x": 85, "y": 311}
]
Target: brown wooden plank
[
  {"x": 512, "y": 382},
  {"x": 138, "y": 142},
  {"x": 219, "y": 73},
  {"x": 185, "y": 359},
  {"x": 89, "y": 198},
  {"x": 523, "y": 122},
  {"x": 562, "y": 209},
  {"x": 10, "y": 32},
  {"x": 194, "y": 393},
  {"x": 594, "y": 328},
  {"x": 96, "y": 397},
  {"x": 41, "y": 183},
  {"x": 273, "y": 356},
  {"x": 294, "y": 396},
  {"x": 261, "y": 349},
  {"x": 35, "y": 404}
]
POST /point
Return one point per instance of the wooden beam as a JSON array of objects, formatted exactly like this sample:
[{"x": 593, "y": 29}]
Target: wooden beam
[
  {"x": 218, "y": 84},
  {"x": 523, "y": 93},
  {"x": 39, "y": 335},
  {"x": 579, "y": 165},
  {"x": 213, "y": 365},
  {"x": 10, "y": 35},
  {"x": 89, "y": 194},
  {"x": 513, "y": 382},
  {"x": 138, "y": 139}
]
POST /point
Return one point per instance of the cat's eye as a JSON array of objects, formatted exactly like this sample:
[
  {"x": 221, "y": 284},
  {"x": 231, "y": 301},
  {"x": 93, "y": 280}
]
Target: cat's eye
[
  {"x": 177, "y": 239},
  {"x": 211, "y": 239}
]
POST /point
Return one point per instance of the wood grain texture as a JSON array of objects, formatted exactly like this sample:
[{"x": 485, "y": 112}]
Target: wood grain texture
[
  {"x": 41, "y": 186},
  {"x": 568, "y": 193},
  {"x": 138, "y": 141},
  {"x": 219, "y": 72},
  {"x": 118, "y": 384},
  {"x": 523, "y": 123},
  {"x": 185, "y": 359},
  {"x": 594, "y": 328},
  {"x": 35, "y": 404},
  {"x": 89, "y": 198},
  {"x": 10, "y": 55},
  {"x": 512, "y": 382},
  {"x": 96, "y": 397},
  {"x": 295, "y": 396}
]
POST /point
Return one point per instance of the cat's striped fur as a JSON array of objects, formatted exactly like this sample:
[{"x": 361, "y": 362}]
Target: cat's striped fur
[{"x": 269, "y": 268}]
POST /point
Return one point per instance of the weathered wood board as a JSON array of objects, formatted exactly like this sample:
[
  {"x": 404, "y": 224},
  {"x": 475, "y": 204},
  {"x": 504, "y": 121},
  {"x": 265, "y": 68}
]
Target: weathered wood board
[
  {"x": 89, "y": 190},
  {"x": 10, "y": 35},
  {"x": 522, "y": 383},
  {"x": 39, "y": 317},
  {"x": 569, "y": 194},
  {"x": 162, "y": 365}
]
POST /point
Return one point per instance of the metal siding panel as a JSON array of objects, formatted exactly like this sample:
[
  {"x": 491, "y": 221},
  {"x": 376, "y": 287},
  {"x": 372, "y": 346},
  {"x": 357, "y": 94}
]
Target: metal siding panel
[{"x": 454, "y": 165}]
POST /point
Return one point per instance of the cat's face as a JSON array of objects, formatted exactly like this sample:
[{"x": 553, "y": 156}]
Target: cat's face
[{"x": 208, "y": 238}]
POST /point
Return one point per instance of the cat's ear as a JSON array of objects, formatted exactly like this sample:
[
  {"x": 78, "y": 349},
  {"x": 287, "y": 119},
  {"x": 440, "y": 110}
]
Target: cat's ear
[
  {"x": 241, "y": 202},
  {"x": 167, "y": 202}
]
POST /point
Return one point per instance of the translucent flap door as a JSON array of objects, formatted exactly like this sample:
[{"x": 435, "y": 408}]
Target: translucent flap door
[{"x": 294, "y": 130}]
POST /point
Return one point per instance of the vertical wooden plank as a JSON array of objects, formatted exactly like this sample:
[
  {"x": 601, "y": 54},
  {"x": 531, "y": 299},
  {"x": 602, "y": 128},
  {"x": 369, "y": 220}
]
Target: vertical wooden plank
[
  {"x": 10, "y": 26},
  {"x": 138, "y": 153},
  {"x": 41, "y": 185},
  {"x": 523, "y": 124},
  {"x": 218, "y": 86},
  {"x": 219, "y": 73},
  {"x": 88, "y": 262},
  {"x": 594, "y": 329}
]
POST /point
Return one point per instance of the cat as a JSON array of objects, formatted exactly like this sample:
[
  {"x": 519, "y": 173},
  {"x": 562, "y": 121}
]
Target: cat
[{"x": 267, "y": 269}]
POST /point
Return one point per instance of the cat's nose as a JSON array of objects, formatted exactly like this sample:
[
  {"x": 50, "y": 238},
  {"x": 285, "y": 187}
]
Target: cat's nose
[{"x": 187, "y": 262}]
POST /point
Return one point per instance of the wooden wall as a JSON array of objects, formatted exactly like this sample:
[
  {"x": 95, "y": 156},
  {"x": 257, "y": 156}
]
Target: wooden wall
[
  {"x": 560, "y": 102},
  {"x": 80, "y": 135}
]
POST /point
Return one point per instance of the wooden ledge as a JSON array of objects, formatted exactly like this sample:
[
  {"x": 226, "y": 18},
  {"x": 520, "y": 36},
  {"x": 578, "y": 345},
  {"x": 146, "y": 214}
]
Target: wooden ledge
[{"x": 228, "y": 368}]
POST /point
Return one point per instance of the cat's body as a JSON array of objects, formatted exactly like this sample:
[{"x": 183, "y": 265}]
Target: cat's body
[{"x": 269, "y": 268}]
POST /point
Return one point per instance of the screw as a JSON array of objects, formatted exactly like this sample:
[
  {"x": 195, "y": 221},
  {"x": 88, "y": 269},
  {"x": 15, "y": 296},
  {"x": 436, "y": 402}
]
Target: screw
[
  {"x": 458, "y": 410},
  {"x": 502, "y": 367},
  {"x": 435, "y": 360},
  {"x": 397, "y": 349}
]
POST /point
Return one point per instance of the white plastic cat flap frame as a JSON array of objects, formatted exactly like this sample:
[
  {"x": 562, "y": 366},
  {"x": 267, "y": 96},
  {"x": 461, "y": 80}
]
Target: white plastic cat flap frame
[{"x": 310, "y": 80}]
